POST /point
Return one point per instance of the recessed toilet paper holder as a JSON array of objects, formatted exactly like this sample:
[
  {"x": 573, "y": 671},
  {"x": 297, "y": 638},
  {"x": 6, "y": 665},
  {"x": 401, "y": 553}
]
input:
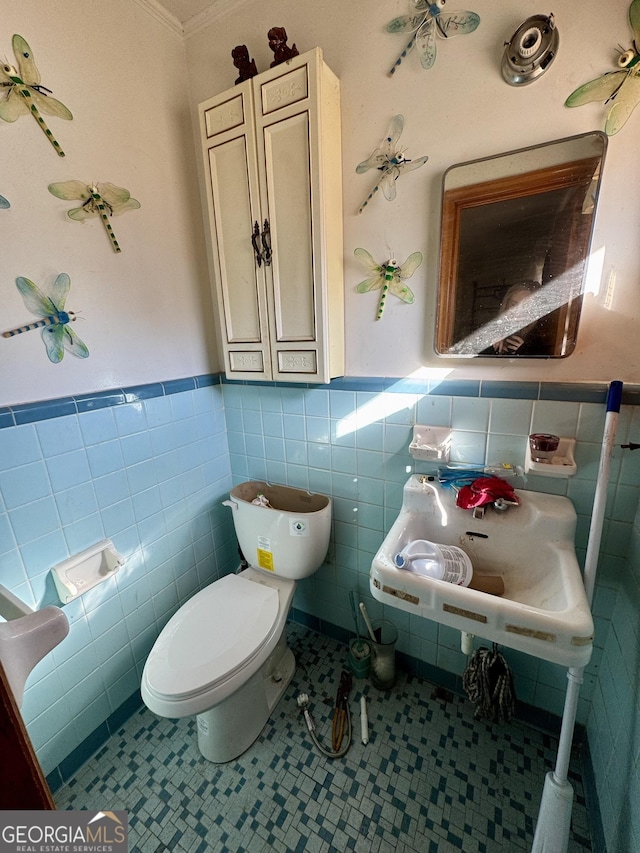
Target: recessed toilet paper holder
[{"x": 83, "y": 571}]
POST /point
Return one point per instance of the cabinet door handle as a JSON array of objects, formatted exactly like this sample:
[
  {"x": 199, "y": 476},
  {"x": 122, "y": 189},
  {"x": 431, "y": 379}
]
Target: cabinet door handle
[
  {"x": 266, "y": 243},
  {"x": 254, "y": 243}
]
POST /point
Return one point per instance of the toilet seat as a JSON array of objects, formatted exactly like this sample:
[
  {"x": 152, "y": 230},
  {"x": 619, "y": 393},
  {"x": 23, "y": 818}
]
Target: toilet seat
[{"x": 211, "y": 637}]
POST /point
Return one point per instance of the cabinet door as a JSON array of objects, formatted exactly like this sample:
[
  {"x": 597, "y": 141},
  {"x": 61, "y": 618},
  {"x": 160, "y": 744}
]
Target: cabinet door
[
  {"x": 295, "y": 108},
  {"x": 234, "y": 210},
  {"x": 292, "y": 281},
  {"x": 272, "y": 154}
]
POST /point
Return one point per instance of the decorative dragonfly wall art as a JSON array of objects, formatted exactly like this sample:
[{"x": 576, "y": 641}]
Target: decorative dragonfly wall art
[
  {"x": 103, "y": 200},
  {"x": 4, "y": 204},
  {"x": 389, "y": 276},
  {"x": 424, "y": 24},
  {"x": 621, "y": 87},
  {"x": 389, "y": 160},
  {"x": 25, "y": 93},
  {"x": 56, "y": 333}
]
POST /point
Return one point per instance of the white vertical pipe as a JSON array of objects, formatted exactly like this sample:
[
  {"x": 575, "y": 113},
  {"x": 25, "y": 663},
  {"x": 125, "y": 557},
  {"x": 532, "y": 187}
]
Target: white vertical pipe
[
  {"x": 563, "y": 758},
  {"x": 466, "y": 643},
  {"x": 574, "y": 674},
  {"x": 554, "y": 817},
  {"x": 614, "y": 399}
]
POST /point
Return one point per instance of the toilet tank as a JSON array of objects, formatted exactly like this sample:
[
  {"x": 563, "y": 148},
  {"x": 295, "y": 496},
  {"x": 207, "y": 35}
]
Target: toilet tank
[{"x": 285, "y": 532}]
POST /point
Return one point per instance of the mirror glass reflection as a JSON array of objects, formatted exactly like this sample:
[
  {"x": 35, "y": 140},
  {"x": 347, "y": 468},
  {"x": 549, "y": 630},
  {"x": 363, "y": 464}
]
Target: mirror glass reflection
[{"x": 516, "y": 233}]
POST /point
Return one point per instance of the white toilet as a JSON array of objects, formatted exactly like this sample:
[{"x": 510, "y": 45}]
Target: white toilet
[{"x": 224, "y": 656}]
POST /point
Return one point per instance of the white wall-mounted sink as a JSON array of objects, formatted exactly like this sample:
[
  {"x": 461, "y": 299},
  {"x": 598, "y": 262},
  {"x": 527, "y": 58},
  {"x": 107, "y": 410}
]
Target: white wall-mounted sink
[{"x": 544, "y": 609}]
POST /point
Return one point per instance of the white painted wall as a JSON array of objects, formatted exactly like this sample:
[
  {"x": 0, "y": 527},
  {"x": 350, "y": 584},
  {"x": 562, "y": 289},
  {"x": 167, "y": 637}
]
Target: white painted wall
[
  {"x": 460, "y": 109},
  {"x": 147, "y": 311}
]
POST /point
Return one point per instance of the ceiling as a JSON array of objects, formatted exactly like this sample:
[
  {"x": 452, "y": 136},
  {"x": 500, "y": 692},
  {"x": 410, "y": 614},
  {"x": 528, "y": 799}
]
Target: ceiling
[{"x": 183, "y": 10}]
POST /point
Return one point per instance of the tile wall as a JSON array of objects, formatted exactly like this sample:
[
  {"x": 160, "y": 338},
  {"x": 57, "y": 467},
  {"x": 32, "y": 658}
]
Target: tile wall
[
  {"x": 148, "y": 468},
  {"x": 614, "y": 724},
  {"x": 351, "y": 441}
]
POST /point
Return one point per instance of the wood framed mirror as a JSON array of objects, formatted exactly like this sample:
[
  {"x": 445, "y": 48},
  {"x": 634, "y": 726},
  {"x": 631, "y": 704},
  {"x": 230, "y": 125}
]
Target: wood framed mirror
[{"x": 515, "y": 240}]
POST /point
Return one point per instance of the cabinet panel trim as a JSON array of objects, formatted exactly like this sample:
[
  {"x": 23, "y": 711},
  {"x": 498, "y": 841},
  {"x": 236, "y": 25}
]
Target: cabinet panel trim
[
  {"x": 285, "y": 90},
  {"x": 224, "y": 116},
  {"x": 297, "y": 361},
  {"x": 246, "y": 361}
]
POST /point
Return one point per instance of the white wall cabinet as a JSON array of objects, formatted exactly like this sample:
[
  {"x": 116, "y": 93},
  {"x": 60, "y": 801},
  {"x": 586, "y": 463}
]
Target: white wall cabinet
[{"x": 272, "y": 158}]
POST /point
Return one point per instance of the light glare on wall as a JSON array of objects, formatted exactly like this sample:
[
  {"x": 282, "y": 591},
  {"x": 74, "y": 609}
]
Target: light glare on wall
[
  {"x": 389, "y": 402},
  {"x": 593, "y": 275}
]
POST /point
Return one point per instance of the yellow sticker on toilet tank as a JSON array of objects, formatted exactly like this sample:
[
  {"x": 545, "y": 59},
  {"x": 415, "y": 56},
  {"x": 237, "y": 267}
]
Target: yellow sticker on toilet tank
[{"x": 265, "y": 559}]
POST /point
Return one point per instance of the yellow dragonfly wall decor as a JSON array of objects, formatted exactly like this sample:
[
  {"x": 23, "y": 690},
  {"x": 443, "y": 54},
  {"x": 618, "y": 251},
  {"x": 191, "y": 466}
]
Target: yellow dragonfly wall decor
[
  {"x": 388, "y": 277},
  {"x": 25, "y": 93},
  {"x": 619, "y": 88},
  {"x": 102, "y": 200}
]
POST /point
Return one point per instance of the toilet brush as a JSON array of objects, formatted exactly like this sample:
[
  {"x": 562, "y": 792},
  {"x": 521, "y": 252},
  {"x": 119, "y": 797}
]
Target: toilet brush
[
  {"x": 367, "y": 622},
  {"x": 359, "y": 648},
  {"x": 352, "y": 600}
]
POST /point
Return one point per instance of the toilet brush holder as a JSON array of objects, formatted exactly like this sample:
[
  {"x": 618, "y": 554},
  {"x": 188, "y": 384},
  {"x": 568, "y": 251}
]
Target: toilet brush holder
[{"x": 383, "y": 655}]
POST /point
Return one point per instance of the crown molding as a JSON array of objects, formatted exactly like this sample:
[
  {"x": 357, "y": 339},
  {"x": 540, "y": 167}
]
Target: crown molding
[
  {"x": 217, "y": 10},
  {"x": 157, "y": 10}
]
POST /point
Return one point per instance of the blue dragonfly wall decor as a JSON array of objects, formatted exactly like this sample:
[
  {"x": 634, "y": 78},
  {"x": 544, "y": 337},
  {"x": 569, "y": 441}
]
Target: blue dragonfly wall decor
[
  {"x": 388, "y": 277},
  {"x": 390, "y": 161},
  {"x": 56, "y": 333},
  {"x": 428, "y": 21},
  {"x": 620, "y": 88},
  {"x": 26, "y": 95},
  {"x": 4, "y": 204},
  {"x": 103, "y": 200}
]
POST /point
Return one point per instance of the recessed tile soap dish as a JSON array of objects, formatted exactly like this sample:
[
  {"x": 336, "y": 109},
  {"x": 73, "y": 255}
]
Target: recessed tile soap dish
[
  {"x": 562, "y": 464},
  {"x": 85, "y": 570},
  {"x": 431, "y": 443}
]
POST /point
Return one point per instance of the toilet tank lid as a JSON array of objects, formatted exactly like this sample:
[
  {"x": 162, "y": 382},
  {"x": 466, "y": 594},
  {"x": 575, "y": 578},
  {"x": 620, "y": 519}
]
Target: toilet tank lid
[{"x": 211, "y": 637}]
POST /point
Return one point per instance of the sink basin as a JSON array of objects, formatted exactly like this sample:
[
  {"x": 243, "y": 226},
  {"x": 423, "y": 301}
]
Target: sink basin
[{"x": 544, "y": 609}]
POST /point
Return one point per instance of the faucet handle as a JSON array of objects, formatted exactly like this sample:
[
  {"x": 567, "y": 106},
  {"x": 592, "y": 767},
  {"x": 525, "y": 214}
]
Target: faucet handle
[{"x": 503, "y": 504}]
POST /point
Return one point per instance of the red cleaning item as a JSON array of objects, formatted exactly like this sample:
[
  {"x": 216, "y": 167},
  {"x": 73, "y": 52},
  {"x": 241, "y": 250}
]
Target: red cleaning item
[{"x": 485, "y": 490}]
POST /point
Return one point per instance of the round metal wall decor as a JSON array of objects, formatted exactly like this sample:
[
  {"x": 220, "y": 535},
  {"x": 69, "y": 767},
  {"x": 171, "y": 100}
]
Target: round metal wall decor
[{"x": 532, "y": 49}]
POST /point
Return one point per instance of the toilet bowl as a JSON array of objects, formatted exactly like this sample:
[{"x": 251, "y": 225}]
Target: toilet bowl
[{"x": 224, "y": 656}]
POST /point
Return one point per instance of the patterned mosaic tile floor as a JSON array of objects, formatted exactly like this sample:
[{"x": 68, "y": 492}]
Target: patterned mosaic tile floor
[{"x": 430, "y": 779}]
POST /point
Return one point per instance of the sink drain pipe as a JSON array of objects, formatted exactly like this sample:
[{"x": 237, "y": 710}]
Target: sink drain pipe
[{"x": 554, "y": 817}]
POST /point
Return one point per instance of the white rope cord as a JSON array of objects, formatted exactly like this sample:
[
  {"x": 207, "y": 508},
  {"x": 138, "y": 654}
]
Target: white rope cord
[{"x": 488, "y": 682}]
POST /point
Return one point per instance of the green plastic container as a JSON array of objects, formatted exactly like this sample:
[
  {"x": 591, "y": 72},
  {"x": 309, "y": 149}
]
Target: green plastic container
[{"x": 359, "y": 658}]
